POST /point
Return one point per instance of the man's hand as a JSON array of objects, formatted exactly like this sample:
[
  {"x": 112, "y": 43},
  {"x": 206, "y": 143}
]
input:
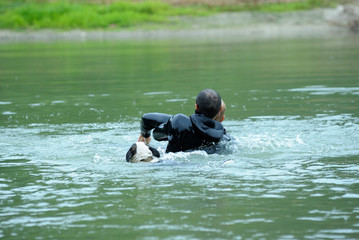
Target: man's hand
[{"x": 143, "y": 139}]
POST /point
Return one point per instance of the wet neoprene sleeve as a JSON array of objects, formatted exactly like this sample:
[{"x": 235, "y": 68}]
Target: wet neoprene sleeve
[{"x": 150, "y": 121}]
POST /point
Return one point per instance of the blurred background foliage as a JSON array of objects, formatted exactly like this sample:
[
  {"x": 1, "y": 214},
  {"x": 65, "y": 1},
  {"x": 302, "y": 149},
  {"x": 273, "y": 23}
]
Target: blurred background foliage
[{"x": 110, "y": 14}]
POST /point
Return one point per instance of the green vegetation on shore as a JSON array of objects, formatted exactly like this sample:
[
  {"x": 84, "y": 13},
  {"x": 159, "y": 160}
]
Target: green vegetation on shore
[
  {"x": 76, "y": 14},
  {"x": 68, "y": 15},
  {"x": 279, "y": 7}
]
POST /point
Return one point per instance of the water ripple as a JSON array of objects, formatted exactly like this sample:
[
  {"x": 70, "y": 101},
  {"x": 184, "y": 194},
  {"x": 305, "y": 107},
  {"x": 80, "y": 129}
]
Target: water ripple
[{"x": 275, "y": 161}]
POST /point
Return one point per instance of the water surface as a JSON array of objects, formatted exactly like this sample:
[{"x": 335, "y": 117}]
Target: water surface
[{"x": 69, "y": 111}]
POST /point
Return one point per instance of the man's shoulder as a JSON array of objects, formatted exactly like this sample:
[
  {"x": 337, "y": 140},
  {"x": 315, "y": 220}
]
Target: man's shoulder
[
  {"x": 181, "y": 122},
  {"x": 180, "y": 116}
]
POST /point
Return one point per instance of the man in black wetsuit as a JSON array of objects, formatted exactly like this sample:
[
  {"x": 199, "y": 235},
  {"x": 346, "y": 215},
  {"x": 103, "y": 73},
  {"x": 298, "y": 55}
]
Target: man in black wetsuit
[{"x": 188, "y": 133}]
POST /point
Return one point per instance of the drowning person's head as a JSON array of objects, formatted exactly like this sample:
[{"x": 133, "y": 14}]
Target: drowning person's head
[{"x": 221, "y": 114}]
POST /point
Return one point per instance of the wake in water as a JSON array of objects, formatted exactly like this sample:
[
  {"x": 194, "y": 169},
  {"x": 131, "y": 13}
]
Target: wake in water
[
  {"x": 274, "y": 163},
  {"x": 274, "y": 138}
]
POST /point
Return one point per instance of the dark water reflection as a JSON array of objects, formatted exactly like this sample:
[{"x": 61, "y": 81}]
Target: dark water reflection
[
  {"x": 70, "y": 111},
  {"x": 110, "y": 81}
]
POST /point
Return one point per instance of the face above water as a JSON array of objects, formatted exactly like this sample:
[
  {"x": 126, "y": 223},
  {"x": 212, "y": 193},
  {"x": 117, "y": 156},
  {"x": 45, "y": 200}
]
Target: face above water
[{"x": 140, "y": 152}]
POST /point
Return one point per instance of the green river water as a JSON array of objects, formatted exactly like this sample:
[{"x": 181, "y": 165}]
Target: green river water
[{"x": 69, "y": 111}]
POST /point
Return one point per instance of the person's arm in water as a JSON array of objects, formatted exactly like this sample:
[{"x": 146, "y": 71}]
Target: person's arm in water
[{"x": 151, "y": 121}]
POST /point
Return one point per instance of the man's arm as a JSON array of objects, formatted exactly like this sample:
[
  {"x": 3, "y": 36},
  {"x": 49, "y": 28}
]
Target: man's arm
[{"x": 150, "y": 121}]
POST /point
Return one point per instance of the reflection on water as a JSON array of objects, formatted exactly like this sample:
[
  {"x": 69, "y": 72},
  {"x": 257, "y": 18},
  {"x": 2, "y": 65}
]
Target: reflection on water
[
  {"x": 69, "y": 113},
  {"x": 323, "y": 90}
]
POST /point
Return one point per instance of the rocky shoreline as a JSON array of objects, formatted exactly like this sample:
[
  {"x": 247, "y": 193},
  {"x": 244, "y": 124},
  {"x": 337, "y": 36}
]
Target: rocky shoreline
[{"x": 317, "y": 23}]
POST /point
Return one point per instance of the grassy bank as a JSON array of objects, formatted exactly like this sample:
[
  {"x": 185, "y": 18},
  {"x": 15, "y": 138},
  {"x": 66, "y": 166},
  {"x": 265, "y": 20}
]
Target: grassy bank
[{"x": 80, "y": 14}]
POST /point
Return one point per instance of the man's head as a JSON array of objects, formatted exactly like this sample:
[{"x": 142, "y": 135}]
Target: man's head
[{"x": 208, "y": 102}]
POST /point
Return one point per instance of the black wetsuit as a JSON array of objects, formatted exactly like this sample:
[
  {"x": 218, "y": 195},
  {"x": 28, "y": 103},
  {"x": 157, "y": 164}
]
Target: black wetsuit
[{"x": 183, "y": 133}]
